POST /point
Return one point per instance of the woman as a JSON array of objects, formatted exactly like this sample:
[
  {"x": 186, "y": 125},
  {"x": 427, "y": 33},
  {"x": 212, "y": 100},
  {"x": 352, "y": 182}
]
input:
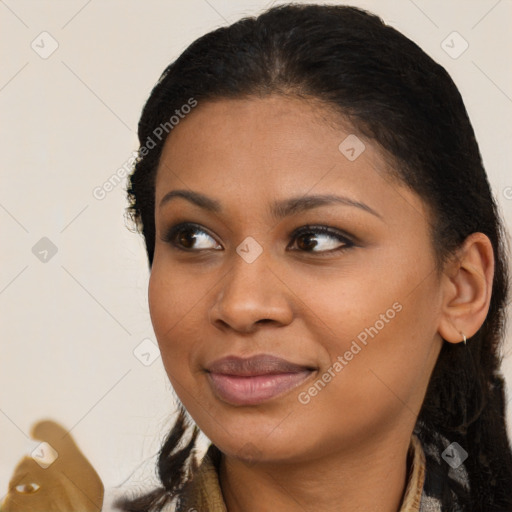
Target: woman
[
  {"x": 341, "y": 353},
  {"x": 328, "y": 273}
]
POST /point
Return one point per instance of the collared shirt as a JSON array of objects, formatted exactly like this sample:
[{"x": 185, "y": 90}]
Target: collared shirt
[{"x": 204, "y": 493}]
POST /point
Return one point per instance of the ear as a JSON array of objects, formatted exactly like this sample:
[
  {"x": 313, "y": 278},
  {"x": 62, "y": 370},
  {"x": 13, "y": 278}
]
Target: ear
[{"x": 466, "y": 288}]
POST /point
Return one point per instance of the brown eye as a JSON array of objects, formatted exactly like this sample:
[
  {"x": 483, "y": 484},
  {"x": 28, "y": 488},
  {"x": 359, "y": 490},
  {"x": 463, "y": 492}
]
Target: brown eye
[
  {"x": 186, "y": 238},
  {"x": 322, "y": 237},
  {"x": 306, "y": 242},
  {"x": 190, "y": 237}
]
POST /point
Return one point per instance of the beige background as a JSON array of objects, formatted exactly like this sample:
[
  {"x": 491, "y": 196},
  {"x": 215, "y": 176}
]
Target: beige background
[{"x": 69, "y": 325}]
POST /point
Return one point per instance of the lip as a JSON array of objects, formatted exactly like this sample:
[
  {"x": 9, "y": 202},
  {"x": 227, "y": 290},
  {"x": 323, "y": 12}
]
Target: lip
[{"x": 253, "y": 380}]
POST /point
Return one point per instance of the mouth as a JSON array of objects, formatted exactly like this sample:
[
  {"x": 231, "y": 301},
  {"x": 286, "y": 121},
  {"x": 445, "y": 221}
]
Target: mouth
[{"x": 254, "y": 380}]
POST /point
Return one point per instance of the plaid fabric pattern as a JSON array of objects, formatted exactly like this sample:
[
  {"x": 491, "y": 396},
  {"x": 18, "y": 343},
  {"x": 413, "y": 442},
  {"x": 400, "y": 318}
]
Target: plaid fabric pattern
[
  {"x": 446, "y": 486},
  {"x": 434, "y": 485}
]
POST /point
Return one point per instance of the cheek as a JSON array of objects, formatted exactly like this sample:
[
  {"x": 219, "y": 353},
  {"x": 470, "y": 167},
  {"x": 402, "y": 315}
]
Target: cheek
[
  {"x": 169, "y": 309},
  {"x": 385, "y": 363},
  {"x": 173, "y": 298},
  {"x": 174, "y": 315},
  {"x": 383, "y": 327},
  {"x": 162, "y": 301}
]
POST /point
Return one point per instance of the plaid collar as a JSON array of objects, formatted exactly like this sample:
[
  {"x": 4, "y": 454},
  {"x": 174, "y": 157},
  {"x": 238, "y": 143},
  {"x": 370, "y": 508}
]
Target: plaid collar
[
  {"x": 436, "y": 481},
  {"x": 446, "y": 486}
]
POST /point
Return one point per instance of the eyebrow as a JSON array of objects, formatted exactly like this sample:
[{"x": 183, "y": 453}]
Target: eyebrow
[{"x": 279, "y": 209}]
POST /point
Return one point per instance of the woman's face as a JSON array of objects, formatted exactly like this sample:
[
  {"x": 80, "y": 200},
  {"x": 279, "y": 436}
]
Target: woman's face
[{"x": 354, "y": 311}]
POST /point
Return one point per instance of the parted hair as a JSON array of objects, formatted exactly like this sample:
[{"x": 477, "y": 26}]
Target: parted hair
[{"x": 393, "y": 93}]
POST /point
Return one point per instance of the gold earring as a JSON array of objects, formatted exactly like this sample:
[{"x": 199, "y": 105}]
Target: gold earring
[{"x": 464, "y": 338}]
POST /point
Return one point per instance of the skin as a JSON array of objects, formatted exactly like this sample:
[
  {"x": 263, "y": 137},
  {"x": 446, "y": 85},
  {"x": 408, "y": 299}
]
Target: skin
[{"x": 347, "y": 448}]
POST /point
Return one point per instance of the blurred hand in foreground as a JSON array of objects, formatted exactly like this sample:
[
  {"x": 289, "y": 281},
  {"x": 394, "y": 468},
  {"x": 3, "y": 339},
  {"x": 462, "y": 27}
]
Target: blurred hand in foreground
[{"x": 55, "y": 478}]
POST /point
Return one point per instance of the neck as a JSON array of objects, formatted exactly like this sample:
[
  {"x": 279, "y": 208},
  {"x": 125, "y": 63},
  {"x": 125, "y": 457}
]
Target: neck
[{"x": 370, "y": 477}]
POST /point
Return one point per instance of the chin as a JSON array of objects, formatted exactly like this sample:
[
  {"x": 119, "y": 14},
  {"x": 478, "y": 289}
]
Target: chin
[{"x": 259, "y": 439}]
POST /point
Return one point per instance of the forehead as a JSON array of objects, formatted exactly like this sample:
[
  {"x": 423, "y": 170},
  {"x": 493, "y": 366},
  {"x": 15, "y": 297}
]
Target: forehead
[
  {"x": 256, "y": 131},
  {"x": 258, "y": 148}
]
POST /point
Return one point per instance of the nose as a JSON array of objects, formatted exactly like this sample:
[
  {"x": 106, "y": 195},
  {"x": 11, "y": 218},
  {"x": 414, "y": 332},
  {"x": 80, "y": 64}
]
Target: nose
[{"x": 251, "y": 294}]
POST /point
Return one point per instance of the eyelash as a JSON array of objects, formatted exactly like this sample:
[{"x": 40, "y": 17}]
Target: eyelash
[{"x": 174, "y": 231}]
